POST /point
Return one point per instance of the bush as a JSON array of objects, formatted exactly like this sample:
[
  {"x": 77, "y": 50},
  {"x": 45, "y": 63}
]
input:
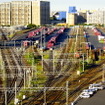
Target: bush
[{"x": 31, "y": 26}]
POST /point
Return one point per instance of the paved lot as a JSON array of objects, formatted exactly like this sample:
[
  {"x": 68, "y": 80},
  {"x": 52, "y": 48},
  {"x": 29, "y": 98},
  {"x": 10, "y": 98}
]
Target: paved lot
[
  {"x": 96, "y": 99},
  {"x": 94, "y": 40}
]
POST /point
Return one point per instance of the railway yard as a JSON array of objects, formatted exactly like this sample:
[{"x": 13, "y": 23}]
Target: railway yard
[{"x": 50, "y": 65}]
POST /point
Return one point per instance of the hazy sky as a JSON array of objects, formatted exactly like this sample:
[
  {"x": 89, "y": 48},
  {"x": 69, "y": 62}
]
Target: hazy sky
[{"x": 64, "y": 4}]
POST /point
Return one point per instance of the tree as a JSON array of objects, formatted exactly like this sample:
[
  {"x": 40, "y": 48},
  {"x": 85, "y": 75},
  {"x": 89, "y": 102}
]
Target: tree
[{"x": 31, "y": 26}]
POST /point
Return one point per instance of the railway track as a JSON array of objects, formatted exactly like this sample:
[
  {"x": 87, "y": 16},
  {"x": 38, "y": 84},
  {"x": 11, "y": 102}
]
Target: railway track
[
  {"x": 74, "y": 85},
  {"x": 61, "y": 79},
  {"x": 14, "y": 72},
  {"x": 12, "y": 61},
  {"x": 56, "y": 81},
  {"x": 65, "y": 50}
]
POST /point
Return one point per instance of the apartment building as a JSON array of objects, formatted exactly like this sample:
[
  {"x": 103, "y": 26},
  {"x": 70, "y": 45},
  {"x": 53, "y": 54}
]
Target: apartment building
[
  {"x": 96, "y": 17},
  {"x": 20, "y": 12},
  {"x": 5, "y": 14},
  {"x": 25, "y": 12}
]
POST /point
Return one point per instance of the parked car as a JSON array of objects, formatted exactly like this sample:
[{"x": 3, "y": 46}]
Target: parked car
[
  {"x": 93, "y": 89},
  {"x": 96, "y": 86},
  {"x": 88, "y": 91},
  {"x": 84, "y": 95}
]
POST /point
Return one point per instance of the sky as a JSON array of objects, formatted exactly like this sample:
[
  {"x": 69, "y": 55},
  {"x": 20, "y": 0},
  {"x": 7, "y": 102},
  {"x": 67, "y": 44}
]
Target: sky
[{"x": 61, "y": 5}]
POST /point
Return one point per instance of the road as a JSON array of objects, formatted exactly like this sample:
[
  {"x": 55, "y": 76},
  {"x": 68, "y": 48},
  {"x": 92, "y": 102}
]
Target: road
[{"x": 97, "y": 99}]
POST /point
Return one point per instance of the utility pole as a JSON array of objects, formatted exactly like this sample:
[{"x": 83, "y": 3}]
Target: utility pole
[
  {"x": 67, "y": 92},
  {"x": 76, "y": 40},
  {"x": 24, "y": 78},
  {"x": 44, "y": 96},
  {"x": 42, "y": 61},
  {"x": 83, "y": 63},
  {"x": 5, "y": 97},
  {"x": 53, "y": 62},
  {"x": 32, "y": 67},
  {"x": 15, "y": 91},
  {"x": 16, "y": 100},
  {"x": 29, "y": 78},
  {"x": 41, "y": 42},
  {"x": 44, "y": 38},
  {"x": 52, "y": 53},
  {"x": 103, "y": 74}
]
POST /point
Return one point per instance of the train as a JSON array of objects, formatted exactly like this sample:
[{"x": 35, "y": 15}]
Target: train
[
  {"x": 35, "y": 32},
  {"x": 101, "y": 37},
  {"x": 26, "y": 43},
  {"x": 48, "y": 31},
  {"x": 53, "y": 39},
  {"x": 96, "y": 31}
]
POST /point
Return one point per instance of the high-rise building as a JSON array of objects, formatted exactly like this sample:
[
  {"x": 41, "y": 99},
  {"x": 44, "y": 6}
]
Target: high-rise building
[
  {"x": 40, "y": 12},
  {"x": 25, "y": 12}
]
